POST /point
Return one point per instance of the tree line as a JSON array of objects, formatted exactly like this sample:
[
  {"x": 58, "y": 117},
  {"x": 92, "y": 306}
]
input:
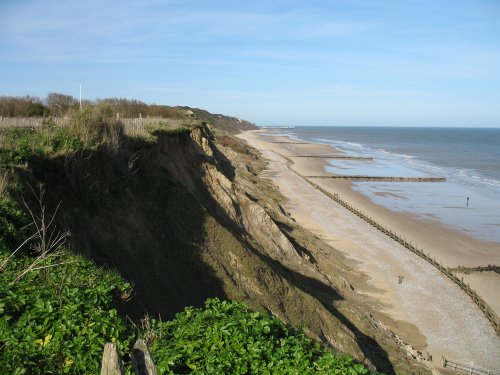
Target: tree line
[{"x": 57, "y": 104}]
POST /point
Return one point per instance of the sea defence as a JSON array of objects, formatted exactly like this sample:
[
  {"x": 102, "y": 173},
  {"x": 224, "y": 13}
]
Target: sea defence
[
  {"x": 333, "y": 157},
  {"x": 483, "y": 306},
  {"x": 382, "y": 178}
]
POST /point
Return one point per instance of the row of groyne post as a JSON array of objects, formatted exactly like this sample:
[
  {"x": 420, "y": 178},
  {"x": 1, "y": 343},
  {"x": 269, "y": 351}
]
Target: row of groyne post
[
  {"x": 333, "y": 157},
  {"x": 483, "y": 306},
  {"x": 488, "y": 268},
  {"x": 381, "y": 178},
  {"x": 469, "y": 369}
]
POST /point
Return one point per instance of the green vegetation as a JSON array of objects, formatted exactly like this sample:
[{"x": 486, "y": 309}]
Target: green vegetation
[
  {"x": 227, "y": 338},
  {"x": 90, "y": 128},
  {"x": 165, "y": 128},
  {"x": 87, "y": 129},
  {"x": 57, "y": 321},
  {"x": 19, "y": 145}
]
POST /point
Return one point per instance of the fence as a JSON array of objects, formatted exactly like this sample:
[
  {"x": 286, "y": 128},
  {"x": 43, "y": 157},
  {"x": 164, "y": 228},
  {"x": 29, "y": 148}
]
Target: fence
[
  {"x": 133, "y": 126},
  {"x": 469, "y": 369},
  {"x": 483, "y": 306},
  {"x": 29, "y": 122},
  {"x": 142, "y": 362}
]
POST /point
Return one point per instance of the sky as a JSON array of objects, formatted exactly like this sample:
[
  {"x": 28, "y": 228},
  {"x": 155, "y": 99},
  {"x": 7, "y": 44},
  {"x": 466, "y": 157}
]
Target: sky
[{"x": 274, "y": 62}]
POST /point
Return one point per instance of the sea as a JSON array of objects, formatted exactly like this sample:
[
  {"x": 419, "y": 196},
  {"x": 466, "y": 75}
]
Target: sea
[{"x": 469, "y": 159}]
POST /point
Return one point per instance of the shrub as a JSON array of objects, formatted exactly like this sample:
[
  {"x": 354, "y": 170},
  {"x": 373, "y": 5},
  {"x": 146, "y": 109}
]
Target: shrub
[
  {"x": 95, "y": 126},
  {"x": 56, "y": 322},
  {"x": 20, "y": 145},
  {"x": 60, "y": 323},
  {"x": 228, "y": 338},
  {"x": 13, "y": 224}
]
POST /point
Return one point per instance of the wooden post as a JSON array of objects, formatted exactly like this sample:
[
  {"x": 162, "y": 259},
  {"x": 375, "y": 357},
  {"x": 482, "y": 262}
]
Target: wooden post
[
  {"x": 111, "y": 362},
  {"x": 142, "y": 361}
]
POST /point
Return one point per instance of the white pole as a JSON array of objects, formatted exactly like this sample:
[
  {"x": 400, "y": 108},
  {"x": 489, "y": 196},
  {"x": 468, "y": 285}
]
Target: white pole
[{"x": 80, "y": 96}]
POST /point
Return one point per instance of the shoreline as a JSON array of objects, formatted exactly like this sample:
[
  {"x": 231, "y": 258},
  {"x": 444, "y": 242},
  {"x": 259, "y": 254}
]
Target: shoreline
[{"x": 379, "y": 265}]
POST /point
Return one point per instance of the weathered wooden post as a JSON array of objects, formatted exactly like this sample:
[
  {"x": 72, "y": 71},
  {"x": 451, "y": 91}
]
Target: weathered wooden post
[
  {"x": 142, "y": 361},
  {"x": 111, "y": 363}
]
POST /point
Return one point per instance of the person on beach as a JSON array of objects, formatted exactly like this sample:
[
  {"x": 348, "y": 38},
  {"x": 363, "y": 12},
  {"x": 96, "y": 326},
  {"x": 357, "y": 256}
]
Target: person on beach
[{"x": 467, "y": 201}]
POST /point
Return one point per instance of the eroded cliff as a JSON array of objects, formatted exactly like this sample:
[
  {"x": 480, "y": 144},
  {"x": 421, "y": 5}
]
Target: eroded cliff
[{"x": 187, "y": 218}]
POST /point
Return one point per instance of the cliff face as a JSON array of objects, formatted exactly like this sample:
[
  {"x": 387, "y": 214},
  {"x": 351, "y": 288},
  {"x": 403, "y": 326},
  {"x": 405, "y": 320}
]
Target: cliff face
[{"x": 185, "y": 219}]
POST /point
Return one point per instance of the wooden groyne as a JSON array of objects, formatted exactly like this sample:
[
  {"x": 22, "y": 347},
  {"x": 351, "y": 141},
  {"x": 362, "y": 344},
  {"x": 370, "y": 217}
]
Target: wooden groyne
[
  {"x": 382, "y": 178},
  {"x": 488, "y": 268},
  {"x": 483, "y": 306},
  {"x": 468, "y": 369},
  {"x": 333, "y": 157},
  {"x": 291, "y": 143}
]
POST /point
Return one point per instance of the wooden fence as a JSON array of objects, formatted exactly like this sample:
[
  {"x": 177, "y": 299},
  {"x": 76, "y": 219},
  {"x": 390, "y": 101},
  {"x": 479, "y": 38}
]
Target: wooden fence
[
  {"x": 468, "y": 369},
  {"x": 133, "y": 126},
  {"x": 29, "y": 122},
  {"x": 142, "y": 362},
  {"x": 483, "y": 306}
]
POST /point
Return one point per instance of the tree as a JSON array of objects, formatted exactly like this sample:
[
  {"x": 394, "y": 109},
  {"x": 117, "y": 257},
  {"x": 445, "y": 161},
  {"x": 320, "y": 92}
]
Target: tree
[{"x": 59, "y": 103}]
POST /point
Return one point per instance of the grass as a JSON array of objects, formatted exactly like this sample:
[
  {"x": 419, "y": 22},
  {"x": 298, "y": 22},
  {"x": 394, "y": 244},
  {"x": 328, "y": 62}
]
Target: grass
[{"x": 87, "y": 129}]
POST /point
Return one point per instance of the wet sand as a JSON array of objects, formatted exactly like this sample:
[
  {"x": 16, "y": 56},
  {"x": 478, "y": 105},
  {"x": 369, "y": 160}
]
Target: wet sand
[{"x": 426, "y": 309}]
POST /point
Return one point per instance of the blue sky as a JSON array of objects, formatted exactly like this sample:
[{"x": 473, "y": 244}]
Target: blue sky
[{"x": 338, "y": 62}]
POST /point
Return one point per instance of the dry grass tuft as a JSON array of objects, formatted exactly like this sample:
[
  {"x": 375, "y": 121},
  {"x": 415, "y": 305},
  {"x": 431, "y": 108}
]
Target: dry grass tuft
[{"x": 95, "y": 126}]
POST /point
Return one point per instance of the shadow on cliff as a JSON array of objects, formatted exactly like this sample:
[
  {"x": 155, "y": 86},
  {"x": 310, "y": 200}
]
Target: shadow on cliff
[
  {"x": 327, "y": 296},
  {"x": 130, "y": 211},
  {"x": 128, "y": 214}
]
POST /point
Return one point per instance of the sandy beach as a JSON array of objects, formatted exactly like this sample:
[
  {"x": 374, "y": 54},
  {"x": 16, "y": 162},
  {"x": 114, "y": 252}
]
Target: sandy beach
[{"x": 426, "y": 309}]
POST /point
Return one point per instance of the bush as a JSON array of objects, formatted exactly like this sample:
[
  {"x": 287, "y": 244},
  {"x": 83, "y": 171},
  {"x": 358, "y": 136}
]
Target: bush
[
  {"x": 13, "y": 224},
  {"x": 95, "y": 126},
  {"x": 58, "y": 321},
  {"x": 228, "y": 338},
  {"x": 20, "y": 145}
]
